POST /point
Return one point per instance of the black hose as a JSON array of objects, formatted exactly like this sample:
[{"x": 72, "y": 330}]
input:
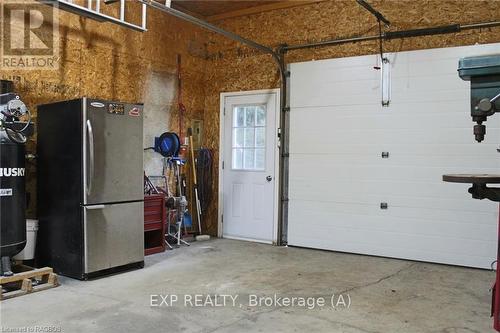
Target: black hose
[{"x": 204, "y": 176}]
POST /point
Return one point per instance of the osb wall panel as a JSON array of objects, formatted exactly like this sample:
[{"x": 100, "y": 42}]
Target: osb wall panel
[
  {"x": 102, "y": 60},
  {"x": 233, "y": 67}
]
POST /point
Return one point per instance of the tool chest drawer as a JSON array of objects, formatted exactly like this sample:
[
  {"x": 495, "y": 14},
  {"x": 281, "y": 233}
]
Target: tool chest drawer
[{"x": 154, "y": 223}]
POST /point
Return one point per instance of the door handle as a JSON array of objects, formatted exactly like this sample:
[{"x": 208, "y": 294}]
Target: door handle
[
  {"x": 91, "y": 157},
  {"x": 95, "y": 207},
  {"x": 269, "y": 178}
]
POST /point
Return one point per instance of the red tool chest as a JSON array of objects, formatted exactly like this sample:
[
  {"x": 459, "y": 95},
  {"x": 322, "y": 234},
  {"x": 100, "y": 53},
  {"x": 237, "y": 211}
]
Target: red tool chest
[{"x": 154, "y": 223}]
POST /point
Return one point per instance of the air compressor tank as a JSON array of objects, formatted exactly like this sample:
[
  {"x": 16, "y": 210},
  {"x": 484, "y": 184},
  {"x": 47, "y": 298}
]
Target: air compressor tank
[{"x": 12, "y": 197}]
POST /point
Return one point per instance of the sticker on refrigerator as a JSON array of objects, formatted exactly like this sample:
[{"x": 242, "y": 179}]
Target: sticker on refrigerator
[
  {"x": 5, "y": 192},
  {"x": 134, "y": 112},
  {"x": 115, "y": 108}
]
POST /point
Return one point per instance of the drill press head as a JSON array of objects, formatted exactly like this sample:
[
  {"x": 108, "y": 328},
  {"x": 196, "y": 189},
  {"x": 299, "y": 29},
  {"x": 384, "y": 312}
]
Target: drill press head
[{"x": 483, "y": 72}]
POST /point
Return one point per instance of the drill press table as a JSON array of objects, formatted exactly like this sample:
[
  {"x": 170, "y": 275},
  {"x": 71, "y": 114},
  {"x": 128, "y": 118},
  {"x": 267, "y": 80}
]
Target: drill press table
[{"x": 472, "y": 178}]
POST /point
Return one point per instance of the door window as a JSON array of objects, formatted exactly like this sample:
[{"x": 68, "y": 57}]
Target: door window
[{"x": 249, "y": 137}]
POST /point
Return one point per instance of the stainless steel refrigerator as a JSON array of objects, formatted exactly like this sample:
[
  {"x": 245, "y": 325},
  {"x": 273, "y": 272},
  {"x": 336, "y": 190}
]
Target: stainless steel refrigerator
[{"x": 90, "y": 187}]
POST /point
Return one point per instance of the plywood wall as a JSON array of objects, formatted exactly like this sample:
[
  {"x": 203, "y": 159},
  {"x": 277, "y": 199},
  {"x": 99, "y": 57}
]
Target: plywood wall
[
  {"x": 103, "y": 60},
  {"x": 233, "y": 67}
]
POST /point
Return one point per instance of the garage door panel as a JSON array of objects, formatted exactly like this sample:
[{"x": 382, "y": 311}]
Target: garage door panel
[
  {"x": 344, "y": 74},
  {"x": 338, "y": 130},
  {"x": 367, "y": 168},
  {"x": 380, "y": 181},
  {"x": 419, "y": 68},
  {"x": 400, "y": 240},
  {"x": 425, "y": 108},
  {"x": 397, "y": 220},
  {"x": 433, "y": 82},
  {"x": 403, "y": 136},
  {"x": 444, "y": 95},
  {"x": 478, "y": 220},
  {"x": 349, "y": 119},
  {"x": 472, "y": 150},
  {"x": 356, "y": 83},
  {"x": 443, "y": 203},
  {"x": 354, "y": 66},
  {"x": 325, "y": 94},
  {"x": 448, "y": 216},
  {"x": 384, "y": 128},
  {"x": 338, "y": 242},
  {"x": 426, "y": 159},
  {"x": 380, "y": 190},
  {"x": 419, "y": 108}
]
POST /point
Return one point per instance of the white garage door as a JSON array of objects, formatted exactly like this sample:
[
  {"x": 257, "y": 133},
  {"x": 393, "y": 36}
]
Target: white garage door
[{"x": 338, "y": 178}]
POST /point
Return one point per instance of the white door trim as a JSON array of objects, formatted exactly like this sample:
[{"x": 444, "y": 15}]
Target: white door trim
[{"x": 223, "y": 97}]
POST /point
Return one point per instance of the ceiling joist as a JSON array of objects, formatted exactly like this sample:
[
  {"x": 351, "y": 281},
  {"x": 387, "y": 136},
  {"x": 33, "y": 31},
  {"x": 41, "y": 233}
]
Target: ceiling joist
[{"x": 261, "y": 9}]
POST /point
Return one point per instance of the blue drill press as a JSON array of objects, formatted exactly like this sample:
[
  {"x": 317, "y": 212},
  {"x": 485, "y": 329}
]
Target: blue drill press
[{"x": 483, "y": 72}]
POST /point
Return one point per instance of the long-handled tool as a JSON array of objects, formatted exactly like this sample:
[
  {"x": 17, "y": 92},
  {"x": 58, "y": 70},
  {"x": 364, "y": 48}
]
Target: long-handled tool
[
  {"x": 182, "y": 108},
  {"x": 195, "y": 183}
]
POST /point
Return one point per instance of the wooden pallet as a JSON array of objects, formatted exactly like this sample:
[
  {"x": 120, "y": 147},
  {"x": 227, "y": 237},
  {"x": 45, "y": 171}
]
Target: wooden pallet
[{"x": 27, "y": 280}]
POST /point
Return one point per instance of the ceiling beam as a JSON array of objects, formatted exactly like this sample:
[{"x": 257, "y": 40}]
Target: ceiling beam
[
  {"x": 261, "y": 9},
  {"x": 176, "y": 5}
]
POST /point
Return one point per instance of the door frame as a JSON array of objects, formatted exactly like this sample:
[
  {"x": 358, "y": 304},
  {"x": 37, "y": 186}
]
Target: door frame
[{"x": 220, "y": 210}]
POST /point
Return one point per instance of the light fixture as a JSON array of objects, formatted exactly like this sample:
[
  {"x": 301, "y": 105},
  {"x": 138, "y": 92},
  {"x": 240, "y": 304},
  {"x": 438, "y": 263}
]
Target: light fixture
[{"x": 385, "y": 81}]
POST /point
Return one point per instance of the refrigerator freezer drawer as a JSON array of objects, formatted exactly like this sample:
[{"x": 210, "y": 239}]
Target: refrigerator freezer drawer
[{"x": 113, "y": 235}]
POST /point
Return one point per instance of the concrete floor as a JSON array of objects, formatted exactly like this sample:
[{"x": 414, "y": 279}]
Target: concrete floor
[{"x": 386, "y": 295}]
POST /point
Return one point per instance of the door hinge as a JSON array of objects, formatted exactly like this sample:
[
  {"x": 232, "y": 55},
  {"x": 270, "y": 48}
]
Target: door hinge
[
  {"x": 222, "y": 218},
  {"x": 222, "y": 165},
  {"x": 224, "y": 112}
]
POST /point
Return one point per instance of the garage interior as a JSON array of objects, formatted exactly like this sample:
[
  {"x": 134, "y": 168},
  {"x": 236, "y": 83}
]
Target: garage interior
[{"x": 260, "y": 166}]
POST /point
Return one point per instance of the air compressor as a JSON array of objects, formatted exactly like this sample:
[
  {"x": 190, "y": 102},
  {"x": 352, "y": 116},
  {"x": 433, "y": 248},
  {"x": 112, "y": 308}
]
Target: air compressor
[{"x": 15, "y": 127}]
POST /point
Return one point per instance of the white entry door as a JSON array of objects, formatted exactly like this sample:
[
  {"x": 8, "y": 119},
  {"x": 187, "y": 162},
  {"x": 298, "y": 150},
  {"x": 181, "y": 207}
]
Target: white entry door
[{"x": 249, "y": 166}]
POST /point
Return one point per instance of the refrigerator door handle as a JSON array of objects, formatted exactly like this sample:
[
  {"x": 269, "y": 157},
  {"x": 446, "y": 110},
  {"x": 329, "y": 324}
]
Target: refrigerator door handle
[
  {"x": 91, "y": 153},
  {"x": 95, "y": 207}
]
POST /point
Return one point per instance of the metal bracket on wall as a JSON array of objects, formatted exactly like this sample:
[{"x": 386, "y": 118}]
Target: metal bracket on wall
[{"x": 93, "y": 11}]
